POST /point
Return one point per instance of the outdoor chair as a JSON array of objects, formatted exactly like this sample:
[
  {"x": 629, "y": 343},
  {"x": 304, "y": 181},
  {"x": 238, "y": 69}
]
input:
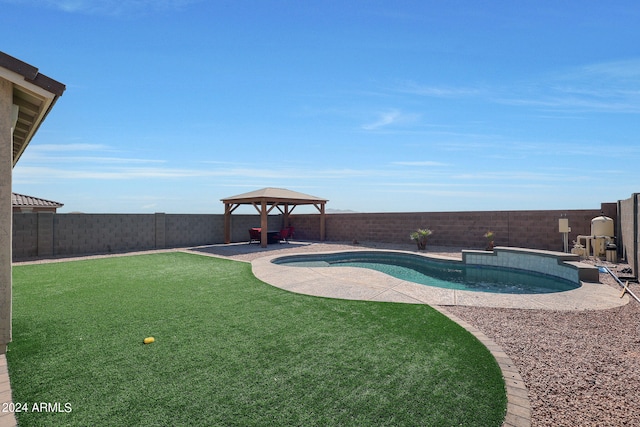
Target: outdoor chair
[
  {"x": 285, "y": 234},
  {"x": 255, "y": 235}
]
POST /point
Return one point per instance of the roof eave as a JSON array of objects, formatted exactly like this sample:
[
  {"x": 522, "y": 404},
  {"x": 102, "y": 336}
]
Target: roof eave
[{"x": 33, "y": 93}]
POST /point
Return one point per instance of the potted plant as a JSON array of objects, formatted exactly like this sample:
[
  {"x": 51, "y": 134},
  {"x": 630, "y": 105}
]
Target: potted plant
[
  {"x": 420, "y": 237},
  {"x": 490, "y": 242}
]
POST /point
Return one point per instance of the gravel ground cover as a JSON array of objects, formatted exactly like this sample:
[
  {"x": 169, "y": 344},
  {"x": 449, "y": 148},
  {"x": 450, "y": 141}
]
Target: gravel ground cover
[{"x": 582, "y": 368}]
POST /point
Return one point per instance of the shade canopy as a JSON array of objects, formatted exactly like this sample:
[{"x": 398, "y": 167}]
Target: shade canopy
[{"x": 265, "y": 200}]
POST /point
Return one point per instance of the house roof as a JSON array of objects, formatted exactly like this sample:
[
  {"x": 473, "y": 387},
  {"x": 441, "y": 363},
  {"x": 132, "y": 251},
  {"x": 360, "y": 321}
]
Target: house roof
[
  {"x": 270, "y": 194},
  {"x": 22, "y": 201},
  {"x": 34, "y": 94}
]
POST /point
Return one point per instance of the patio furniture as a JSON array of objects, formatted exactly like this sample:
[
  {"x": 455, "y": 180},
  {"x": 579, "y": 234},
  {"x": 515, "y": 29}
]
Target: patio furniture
[
  {"x": 254, "y": 235},
  {"x": 285, "y": 234}
]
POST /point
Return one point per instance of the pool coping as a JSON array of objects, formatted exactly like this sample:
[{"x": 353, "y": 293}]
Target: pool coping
[{"x": 362, "y": 284}]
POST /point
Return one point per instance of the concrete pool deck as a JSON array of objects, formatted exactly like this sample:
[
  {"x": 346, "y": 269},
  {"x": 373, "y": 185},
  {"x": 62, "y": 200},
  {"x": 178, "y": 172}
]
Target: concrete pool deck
[{"x": 369, "y": 285}]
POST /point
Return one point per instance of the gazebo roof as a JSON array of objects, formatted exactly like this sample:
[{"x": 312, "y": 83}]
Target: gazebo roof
[{"x": 279, "y": 195}]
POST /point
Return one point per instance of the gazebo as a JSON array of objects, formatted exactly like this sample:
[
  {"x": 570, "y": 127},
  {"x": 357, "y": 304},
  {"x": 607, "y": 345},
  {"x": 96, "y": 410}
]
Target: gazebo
[{"x": 265, "y": 200}]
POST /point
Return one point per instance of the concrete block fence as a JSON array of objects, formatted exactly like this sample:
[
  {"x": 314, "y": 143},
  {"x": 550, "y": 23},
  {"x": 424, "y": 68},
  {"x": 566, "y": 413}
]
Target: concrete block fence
[
  {"x": 629, "y": 223},
  {"x": 45, "y": 234},
  {"x": 527, "y": 229},
  {"x": 37, "y": 235}
]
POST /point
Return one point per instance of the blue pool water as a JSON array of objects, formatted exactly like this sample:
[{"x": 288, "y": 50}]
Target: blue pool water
[{"x": 439, "y": 273}]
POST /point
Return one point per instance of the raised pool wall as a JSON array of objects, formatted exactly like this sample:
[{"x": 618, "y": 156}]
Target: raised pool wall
[{"x": 558, "y": 264}]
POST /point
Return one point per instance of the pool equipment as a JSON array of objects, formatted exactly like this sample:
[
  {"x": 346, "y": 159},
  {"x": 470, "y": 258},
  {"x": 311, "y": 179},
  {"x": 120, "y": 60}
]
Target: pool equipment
[
  {"x": 563, "y": 226},
  {"x": 602, "y": 234}
]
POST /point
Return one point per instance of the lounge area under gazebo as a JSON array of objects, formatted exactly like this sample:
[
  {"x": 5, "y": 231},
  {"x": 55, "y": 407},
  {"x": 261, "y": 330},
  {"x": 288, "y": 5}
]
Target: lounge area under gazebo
[{"x": 265, "y": 200}]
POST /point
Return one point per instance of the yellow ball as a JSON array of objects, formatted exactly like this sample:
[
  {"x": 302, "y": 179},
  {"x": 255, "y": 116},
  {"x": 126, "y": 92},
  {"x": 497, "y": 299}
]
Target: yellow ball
[{"x": 149, "y": 340}]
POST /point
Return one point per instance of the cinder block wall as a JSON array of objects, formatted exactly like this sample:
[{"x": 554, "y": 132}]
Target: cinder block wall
[
  {"x": 25, "y": 236},
  {"x": 76, "y": 234},
  {"x": 629, "y": 224},
  {"x": 636, "y": 237},
  {"x": 193, "y": 230},
  {"x": 48, "y": 234},
  {"x": 530, "y": 229}
]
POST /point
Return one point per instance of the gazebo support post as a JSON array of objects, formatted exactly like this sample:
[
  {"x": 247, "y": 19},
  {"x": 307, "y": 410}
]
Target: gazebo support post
[
  {"x": 322, "y": 222},
  {"x": 263, "y": 224},
  {"x": 227, "y": 223},
  {"x": 285, "y": 216},
  {"x": 228, "y": 210}
]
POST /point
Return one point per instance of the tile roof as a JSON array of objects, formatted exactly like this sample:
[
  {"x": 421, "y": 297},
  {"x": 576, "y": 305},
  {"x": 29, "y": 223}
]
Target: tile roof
[{"x": 20, "y": 200}]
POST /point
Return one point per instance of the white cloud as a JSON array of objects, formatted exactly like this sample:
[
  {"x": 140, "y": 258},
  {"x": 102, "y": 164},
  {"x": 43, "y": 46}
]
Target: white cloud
[
  {"x": 617, "y": 70},
  {"x": 439, "y": 91},
  {"x": 574, "y": 102},
  {"x": 600, "y": 87},
  {"x": 612, "y": 87},
  {"x": 384, "y": 119},
  {"x": 52, "y": 154},
  {"x": 419, "y": 163},
  {"x": 90, "y": 160},
  {"x": 35, "y": 173},
  {"x": 44, "y": 174},
  {"x": 389, "y": 118},
  {"x": 68, "y": 147},
  {"x": 511, "y": 176},
  {"x": 107, "y": 7}
]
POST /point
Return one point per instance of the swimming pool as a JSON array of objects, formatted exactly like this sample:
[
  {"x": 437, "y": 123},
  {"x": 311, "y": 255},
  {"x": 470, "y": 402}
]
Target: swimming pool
[{"x": 439, "y": 273}]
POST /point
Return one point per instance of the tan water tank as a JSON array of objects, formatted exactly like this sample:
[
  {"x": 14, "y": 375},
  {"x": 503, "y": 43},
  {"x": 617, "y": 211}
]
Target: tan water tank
[{"x": 602, "y": 226}]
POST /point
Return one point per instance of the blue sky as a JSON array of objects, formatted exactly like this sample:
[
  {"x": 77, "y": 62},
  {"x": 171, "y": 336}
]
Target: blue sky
[{"x": 379, "y": 106}]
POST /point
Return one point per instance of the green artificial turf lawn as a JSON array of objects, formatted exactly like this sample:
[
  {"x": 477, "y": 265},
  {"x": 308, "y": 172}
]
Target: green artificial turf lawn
[{"x": 232, "y": 350}]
